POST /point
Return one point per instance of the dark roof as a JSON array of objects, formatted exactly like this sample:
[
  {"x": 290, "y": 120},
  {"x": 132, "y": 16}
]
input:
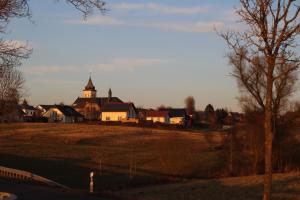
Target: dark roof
[
  {"x": 90, "y": 85},
  {"x": 27, "y": 107},
  {"x": 20, "y": 111},
  {"x": 117, "y": 107},
  {"x": 176, "y": 112},
  {"x": 46, "y": 107},
  {"x": 155, "y": 113},
  {"x": 68, "y": 111},
  {"x": 81, "y": 102}
]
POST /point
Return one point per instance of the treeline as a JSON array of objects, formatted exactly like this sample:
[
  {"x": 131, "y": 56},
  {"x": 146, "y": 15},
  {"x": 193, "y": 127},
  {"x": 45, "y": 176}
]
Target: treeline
[{"x": 243, "y": 145}]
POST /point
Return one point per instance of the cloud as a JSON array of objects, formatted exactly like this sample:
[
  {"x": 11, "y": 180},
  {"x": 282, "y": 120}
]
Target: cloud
[
  {"x": 42, "y": 70},
  {"x": 198, "y": 26},
  {"x": 160, "y": 8},
  {"x": 103, "y": 20},
  {"x": 127, "y": 64},
  {"x": 118, "y": 64}
]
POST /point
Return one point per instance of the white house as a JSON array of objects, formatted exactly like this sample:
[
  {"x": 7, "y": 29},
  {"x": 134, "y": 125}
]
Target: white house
[
  {"x": 158, "y": 116},
  {"x": 29, "y": 111},
  {"x": 119, "y": 112},
  {"x": 64, "y": 114}
]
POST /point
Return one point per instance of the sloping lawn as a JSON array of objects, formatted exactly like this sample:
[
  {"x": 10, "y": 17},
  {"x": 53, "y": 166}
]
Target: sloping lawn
[{"x": 129, "y": 156}]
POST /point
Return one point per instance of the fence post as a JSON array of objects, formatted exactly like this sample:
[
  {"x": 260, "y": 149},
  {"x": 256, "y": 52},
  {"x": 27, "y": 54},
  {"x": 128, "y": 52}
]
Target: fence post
[{"x": 91, "y": 182}]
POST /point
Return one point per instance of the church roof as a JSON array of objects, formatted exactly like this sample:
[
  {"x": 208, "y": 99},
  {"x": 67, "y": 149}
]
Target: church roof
[
  {"x": 90, "y": 85},
  {"x": 81, "y": 102}
]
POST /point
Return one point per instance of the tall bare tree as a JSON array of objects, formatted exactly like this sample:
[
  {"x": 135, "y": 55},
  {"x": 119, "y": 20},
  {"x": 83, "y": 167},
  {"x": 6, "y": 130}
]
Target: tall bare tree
[
  {"x": 265, "y": 61},
  {"x": 11, "y": 78}
]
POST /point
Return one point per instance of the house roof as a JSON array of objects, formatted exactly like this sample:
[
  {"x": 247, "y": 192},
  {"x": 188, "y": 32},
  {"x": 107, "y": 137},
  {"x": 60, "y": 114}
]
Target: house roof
[
  {"x": 90, "y": 85},
  {"x": 154, "y": 113},
  {"x": 176, "y": 112},
  {"x": 20, "y": 111},
  {"x": 68, "y": 111},
  {"x": 46, "y": 107},
  {"x": 27, "y": 107},
  {"x": 117, "y": 107},
  {"x": 81, "y": 102}
]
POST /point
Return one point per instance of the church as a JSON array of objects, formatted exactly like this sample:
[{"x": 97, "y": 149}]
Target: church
[{"x": 89, "y": 105}]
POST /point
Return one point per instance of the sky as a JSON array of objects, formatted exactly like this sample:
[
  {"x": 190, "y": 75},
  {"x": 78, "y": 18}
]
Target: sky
[{"x": 152, "y": 53}]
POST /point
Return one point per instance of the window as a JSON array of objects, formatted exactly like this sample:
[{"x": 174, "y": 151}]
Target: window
[{"x": 107, "y": 118}]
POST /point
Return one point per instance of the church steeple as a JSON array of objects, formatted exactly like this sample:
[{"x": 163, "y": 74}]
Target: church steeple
[
  {"x": 90, "y": 85},
  {"x": 89, "y": 90}
]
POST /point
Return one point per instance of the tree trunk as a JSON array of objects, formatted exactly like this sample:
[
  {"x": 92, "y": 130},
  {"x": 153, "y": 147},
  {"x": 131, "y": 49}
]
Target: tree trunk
[{"x": 268, "y": 140}]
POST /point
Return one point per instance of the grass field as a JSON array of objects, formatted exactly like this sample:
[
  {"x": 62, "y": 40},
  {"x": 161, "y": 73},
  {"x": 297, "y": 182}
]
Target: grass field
[
  {"x": 129, "y": 156},
  {"x": 164, "y": 164},
  {"x": 285, "y": 187}
]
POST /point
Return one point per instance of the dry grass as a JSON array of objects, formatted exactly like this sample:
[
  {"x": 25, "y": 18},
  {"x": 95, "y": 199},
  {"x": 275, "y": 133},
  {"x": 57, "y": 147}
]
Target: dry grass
[
  {"x": 285, "y": 187},
  {"x": 66, "y": 153}
]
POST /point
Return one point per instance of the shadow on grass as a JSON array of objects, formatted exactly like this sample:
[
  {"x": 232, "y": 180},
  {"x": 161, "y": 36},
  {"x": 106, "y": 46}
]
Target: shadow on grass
[
  {"x": 69, "y": 172},
  {"x": 235, "y": 189},
  {"x": 65, "y": 171}
]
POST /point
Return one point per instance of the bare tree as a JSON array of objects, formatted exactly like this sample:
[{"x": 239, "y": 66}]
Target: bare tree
[
  {"x": 87, "y": 6},
  {"x": 11, "y": 79},
  {"x": 190, "y": 105},
  {"x": 20, "y": 8},
  {"x": 209, "y": 113},
  {"x": 265, "y": 62}
]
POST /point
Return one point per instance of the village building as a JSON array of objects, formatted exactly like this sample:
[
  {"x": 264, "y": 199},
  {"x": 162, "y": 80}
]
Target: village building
[
  {"x": 28, "y": 110},
  {"x": 158, "y": 116},
  {"x": 42, "y": 109},
  {"x": 89, "y": 105},
  {"x": 63, "y": 113},
  {"x": 178, "y": 116},
  {"x": 119, "y": 112}
]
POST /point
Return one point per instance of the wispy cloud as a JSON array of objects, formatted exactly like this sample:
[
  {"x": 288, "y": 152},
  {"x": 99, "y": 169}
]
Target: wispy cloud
[
  {"x": 41, "y": 70},
  {"x": 160, "y": 8},
  {"x": 118, "y": 64},
  {"x": 128, "y": 64},
  {"x": 183, "y": 26}
]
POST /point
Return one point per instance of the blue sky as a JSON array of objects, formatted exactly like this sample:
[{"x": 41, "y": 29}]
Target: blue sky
[{"x": 148, "y": 52}]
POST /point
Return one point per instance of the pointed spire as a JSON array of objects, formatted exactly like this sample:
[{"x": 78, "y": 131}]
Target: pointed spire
[{"x": 90, "y": 85}]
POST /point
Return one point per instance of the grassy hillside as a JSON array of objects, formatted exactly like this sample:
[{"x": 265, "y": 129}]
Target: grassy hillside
[
  {"x": 67, "y": 153},
  {"x": 285, "y": 187}
]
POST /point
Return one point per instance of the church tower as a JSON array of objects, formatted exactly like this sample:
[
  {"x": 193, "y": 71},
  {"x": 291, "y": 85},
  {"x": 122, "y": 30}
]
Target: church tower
[{"x": 89, "y": 90}]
